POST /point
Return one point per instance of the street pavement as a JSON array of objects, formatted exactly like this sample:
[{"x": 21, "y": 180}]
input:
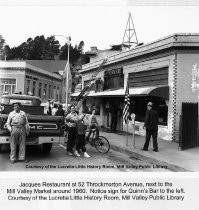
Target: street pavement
[
  {"x": 122, "y": 152},
  {"x": 59, "y": 161},
  {"x": 169, "y": 153}
]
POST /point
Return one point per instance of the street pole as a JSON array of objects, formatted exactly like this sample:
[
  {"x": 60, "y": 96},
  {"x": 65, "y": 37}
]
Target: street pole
[
  {"x": 67, "y": 74},
  {"x": 127, "y": 130},
  {"x": 67, "y": 68},
  {"x": 134, "y": 134}
]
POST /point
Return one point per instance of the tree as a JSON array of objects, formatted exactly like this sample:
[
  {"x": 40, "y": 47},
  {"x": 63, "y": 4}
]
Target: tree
[
  {"x": 81, "y": 47},
  {"x": 74, "y": 54},
  {"x": 39, "y": 48},
  {"x": 2, "y": 45}
]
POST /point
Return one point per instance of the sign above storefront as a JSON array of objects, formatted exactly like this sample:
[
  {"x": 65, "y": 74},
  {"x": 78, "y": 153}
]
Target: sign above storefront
[{"x": 113, "y": 72}]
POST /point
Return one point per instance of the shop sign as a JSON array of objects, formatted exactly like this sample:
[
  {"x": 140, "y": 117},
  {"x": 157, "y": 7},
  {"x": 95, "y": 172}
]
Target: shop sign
[
  {"x": 113, "y": 72},
  {"x": 195, "y": 78}
]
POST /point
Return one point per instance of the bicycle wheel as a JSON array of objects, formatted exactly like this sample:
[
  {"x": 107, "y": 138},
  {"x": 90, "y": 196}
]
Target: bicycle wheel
[{"x": 102, "y": 144}]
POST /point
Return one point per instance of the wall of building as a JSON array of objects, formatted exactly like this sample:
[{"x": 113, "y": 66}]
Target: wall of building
[
  {"x": 43, "y": 79},
  {"x": 165, "y": 132},
  {"x": 187, "y": 81},
  {"x": 17, "y": 74}
]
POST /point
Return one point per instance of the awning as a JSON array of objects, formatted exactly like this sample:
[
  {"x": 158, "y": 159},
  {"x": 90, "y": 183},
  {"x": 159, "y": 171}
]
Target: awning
[{"x": 162, "y": 92}]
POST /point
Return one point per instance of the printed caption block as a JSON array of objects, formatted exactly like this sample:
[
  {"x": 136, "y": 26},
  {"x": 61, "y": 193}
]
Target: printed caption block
[
  {"x": 85, "y": 193},
  {"x": 97, "y": 191}
]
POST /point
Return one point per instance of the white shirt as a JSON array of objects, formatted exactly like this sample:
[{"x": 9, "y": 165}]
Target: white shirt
[{"x": 16, "y": 119}]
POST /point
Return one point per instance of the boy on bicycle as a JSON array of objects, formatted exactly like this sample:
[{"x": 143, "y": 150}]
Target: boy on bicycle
[
  {"x": 93, "y": 124},
  {"x": 80, "y": 140}
]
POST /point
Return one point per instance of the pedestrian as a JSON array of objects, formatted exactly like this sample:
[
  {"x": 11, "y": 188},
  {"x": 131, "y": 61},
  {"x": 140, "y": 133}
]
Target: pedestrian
[
  {"x": 93, "y": 124},
  {"x": 81, "y": 141},
  {"x": 54, "y": 109},
  {"x": 114, "y": 111},
  {"x": 49, "y": 112},
  {"x": 71, "y": 119},
  {"x": 151, "y": 125},
  {"x": 17, "y": 124},
  {"x": 60, "y": 111}
]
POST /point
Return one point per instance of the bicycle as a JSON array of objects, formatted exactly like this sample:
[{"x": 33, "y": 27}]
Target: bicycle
[{"x": 101, "y": 143}]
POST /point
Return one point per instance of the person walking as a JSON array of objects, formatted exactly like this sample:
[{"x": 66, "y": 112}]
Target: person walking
[
  {"x": 81, "y": 141},
  {"x": 151, "y": 125},
  {"x": 17, "y": 124},
  {"x": 71, "y": 119}
]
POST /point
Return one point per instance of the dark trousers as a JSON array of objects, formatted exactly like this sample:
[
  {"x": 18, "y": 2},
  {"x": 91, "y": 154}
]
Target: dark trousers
[
  {"x": 113, "y": 123},
  {"x": 154, "y": 134},
  {"x": 80, "y": 143},
  {"x": 90, "y": 131},
  {"x": 72, "y": 134}
]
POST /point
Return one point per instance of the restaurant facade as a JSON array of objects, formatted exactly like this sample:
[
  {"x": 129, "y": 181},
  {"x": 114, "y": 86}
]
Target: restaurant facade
[{"x": 165, "y": 72}]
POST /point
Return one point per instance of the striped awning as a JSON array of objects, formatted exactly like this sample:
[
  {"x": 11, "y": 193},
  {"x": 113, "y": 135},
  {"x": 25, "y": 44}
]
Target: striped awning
[{"x": 162, "y": 92}]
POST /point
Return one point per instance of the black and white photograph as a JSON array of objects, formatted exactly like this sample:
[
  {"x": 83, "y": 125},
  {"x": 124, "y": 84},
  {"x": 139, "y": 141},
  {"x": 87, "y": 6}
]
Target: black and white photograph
[{"x": 101, "y": 87}]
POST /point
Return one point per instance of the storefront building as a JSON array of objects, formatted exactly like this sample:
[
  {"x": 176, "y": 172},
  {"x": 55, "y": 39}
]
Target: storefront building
[
  {"x": 22, "y": 77},
  {"x": 165, "y": 72}
]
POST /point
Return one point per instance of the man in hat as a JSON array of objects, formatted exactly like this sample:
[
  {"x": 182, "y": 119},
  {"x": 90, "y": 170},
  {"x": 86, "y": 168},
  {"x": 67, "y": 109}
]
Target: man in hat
[
  {"x": 151, "y": 125},
  {"x": 17, "y": 124}
]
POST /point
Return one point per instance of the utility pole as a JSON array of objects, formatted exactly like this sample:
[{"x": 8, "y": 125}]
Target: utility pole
[
  {"x": 130, "y": 36},
  {"x": 67, "y": 68},
  {"x": 67, "y": 72}
]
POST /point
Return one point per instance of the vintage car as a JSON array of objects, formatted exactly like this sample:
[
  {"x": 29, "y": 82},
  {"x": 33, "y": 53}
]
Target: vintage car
[{"x": 44, "y": 129}]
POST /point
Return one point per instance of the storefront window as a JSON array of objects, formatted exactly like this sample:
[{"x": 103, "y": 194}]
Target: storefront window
[
  {"x": 45, "y": 91},
  {"x": 34, "y": 88},
  {"x": 49, "y": 92},
  {"x": 40, "y": 89},
  {"x": 7, "y": 85},
  {"x": 138, "y": 106},
  {"x": 28, "y": 88},
  {"x": 57, "y": 95},
  {"x": 91, "y": 104},
  {"x": 87, "y": 82},
  {"x": 99, "y": 85}
]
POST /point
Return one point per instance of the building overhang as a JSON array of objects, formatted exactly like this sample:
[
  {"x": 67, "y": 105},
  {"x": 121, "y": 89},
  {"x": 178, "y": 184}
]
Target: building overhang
[
  {"x": 174, "y": 41},
  {"x": 22, "y": 65},
  {"x": 162, "y": 91}
]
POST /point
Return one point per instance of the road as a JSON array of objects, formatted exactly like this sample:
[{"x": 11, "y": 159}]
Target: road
[{"x": 58, "y": 160}]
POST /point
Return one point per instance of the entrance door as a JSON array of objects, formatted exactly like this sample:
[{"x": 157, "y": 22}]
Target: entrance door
[{"x": 189, "y": 126}]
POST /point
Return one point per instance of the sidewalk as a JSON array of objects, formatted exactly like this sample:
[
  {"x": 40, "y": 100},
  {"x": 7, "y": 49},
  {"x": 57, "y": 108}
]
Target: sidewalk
[{"x": 168, "y": 155}]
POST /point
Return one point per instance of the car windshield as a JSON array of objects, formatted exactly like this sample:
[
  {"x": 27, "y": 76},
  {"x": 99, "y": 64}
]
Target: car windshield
[
  {"x": 23, "y": 102},
  {"x": 27, "y": 102}
]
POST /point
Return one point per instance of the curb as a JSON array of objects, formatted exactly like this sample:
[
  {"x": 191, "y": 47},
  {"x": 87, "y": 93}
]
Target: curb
[{"x": 138, "y": 156}]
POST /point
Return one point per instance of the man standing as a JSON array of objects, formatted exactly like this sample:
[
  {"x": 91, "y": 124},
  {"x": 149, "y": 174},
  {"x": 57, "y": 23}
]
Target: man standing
[
  {"x": 71, "y": 119},
  {"x": 151, "y": 125},
  {"x": 17, "y": 124}
]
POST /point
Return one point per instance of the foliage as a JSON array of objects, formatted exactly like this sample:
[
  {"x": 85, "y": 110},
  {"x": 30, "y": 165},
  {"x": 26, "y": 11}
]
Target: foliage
[
  {"x": 2, "y": 45},
  {"x": 39, "y": 48}
]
